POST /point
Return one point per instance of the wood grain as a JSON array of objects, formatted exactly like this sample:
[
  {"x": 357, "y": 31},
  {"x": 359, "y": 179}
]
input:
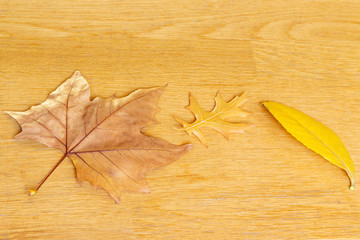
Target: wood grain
[{"x": 259, "y": 185}]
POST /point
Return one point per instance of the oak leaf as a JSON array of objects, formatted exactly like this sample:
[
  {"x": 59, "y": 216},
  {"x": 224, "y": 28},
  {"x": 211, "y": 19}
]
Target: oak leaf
[
  {"x": 217, "y": 118},
  {"x": 314, "y": 135},
  {"x": 102, "y": 137}
]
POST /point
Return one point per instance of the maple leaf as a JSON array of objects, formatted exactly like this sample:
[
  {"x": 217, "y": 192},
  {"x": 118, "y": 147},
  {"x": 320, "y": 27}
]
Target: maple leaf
[
  {"x": 217, "y": 118},
  {"x": 102, "y": 137}
]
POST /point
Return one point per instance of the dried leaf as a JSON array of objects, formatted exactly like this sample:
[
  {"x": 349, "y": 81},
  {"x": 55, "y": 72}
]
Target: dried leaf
[
  {"x": 314, "y": 135},
  {"x": 102, "y": 137},
  {"x": 217, "y": 118}
]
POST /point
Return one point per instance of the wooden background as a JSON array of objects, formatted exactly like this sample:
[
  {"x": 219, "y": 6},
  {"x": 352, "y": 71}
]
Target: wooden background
[{"x": 262, "y": 184}]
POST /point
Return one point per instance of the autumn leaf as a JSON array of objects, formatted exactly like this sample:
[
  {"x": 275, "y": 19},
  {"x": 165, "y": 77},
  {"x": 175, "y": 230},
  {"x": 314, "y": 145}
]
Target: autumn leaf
[
  {"x": 102, "y": 137},
  {"x": 314, "y": 135},
  {"x": 217, "y": 118}
]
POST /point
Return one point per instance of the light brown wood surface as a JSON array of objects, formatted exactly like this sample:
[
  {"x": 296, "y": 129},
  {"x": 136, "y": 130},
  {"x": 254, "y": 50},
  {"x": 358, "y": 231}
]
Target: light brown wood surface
[{"x": 261, "y": 184}]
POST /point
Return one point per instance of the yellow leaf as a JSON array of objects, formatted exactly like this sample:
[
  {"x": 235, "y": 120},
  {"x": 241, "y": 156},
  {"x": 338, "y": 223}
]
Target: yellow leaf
[
  {"x": 217, "y": 118},
  {"x": 314, "y": 135}
]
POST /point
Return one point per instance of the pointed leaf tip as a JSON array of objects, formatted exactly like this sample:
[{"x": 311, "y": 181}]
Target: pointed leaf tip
[
  {"x": 77, "y": 73},
  {"x": 189, "y": 146}
]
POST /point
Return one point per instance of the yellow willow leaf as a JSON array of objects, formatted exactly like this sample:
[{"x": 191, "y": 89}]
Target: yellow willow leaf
[
  {"x": 217, "y": 118},
  {"x": 314, "y": 135}
]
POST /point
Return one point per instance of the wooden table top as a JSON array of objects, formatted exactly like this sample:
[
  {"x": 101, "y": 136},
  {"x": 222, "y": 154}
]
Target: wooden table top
[{"x": 261, "y": 184}]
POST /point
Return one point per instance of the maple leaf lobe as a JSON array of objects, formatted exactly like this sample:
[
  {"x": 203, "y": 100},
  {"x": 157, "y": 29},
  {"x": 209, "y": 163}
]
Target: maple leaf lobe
[{"x": 47, "y": 122}]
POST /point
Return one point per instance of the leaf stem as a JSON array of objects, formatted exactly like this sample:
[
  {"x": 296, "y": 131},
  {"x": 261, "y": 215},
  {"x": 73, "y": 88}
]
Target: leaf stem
[
  {"x": 33, "y": 191},
  {"x": 352, "y": 184}
]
